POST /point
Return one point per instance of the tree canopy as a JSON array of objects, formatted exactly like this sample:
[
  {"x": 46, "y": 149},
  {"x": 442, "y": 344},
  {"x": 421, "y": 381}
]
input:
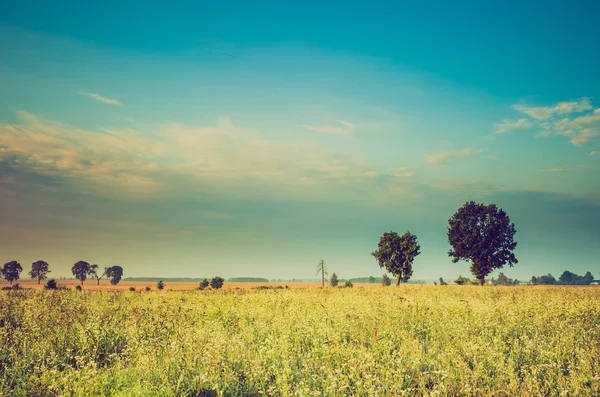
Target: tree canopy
[
  {"x": 11, "y": 271},
  {"x": 115, "y": 273},
  {"x": 334, "y": 280},
  {"x": 397, "y": 253},
  {"x": 483, "y": 235},
  {"x": 81, "y": 270},
  {"x": 39, "y": 271}
]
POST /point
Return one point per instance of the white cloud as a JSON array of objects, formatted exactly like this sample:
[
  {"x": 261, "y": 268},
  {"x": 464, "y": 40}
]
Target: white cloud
[
  {"x": 570, "y": 119},
  {"x": 444, "y": 157},
  {"x": 345, "y": 128},
  {"x": 545, "y": 112},
  {"x": 510, "y": 125},
  {"x": 584, "y": 136},
  {"x": 101, "y": 98},
  {"x": 594, "y": 152}
]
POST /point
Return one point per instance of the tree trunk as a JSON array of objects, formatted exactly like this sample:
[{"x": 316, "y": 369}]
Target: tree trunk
[
  {"x": 397, "y": 281},
  {"x": 81, "y": 282},
  {"x": 322, "y": 279},
  {"x": 39, "y": 280},
  {"x": 98, "y": 281},
  {"x": 481, "y": 281},
  {"x": 10, "y": 282}
]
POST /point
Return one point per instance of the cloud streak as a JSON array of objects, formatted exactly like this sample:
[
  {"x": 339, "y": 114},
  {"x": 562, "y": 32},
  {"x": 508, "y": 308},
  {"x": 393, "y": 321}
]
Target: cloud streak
[
  {"x": 345, "y": 128},
  {"x": 440, "y": 158},
  {"x": 101, "y": 98}
]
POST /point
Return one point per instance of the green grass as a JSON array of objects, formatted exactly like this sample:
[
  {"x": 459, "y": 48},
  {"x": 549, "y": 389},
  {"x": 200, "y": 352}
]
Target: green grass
[{"x": 411, "y": 340}]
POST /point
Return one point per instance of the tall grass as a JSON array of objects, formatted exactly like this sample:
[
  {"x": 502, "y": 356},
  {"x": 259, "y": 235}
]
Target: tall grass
[{"x": 412, "y": 340}]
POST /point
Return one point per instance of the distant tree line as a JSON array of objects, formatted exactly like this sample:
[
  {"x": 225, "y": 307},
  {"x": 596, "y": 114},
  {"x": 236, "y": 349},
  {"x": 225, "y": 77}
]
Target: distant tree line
[
  {"x": 248, "y": 280},
  {"x": 567, "y": 278}
]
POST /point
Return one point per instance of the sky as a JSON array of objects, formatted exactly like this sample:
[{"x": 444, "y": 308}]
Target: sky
[{"x": 256, "y": 138}]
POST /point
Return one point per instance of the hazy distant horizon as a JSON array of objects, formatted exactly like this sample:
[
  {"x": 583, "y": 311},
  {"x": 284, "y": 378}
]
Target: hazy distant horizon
[{"x": 231, "y": 139}]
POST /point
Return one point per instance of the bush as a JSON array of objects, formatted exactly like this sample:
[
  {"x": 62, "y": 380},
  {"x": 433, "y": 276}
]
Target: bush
[
  {"x": 51, "y": 284},
  {"x": 132, "y": 289},
  {"x": 148, "y": 289},
  {"x": 348, "y": 284},
  {"x": 217, "y": 282},
  {"x": 204, "y": 284},
  {"x": 160, "y": 285},
  {"x": 78, "y": 288}
]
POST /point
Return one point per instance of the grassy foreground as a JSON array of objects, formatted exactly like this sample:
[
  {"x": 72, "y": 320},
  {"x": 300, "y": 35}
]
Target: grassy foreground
[{"x": 411, "y": 340}]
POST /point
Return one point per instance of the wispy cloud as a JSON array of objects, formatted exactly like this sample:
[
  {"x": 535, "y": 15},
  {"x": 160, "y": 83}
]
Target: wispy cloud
[
  {"x": 572, "y": 119},
  {"x": 445, "y": 157},
  {"x": 186, "y": 159},
  {"x": 594, "y": 152},
  {"x": 345, "y": 128},
  {"x": 510, "y": 125},
  {"x": 561, "y": 108},
  {"x": 101, "y": 98}
]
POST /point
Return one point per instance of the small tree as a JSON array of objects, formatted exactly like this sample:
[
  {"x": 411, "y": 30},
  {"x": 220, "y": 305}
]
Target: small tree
[
  {"x": 204, "y": 284},
  {"x": 39, "y": 271},
  {"x": 11, "y": 271},
  {"x": 587, "y": 278},
  {"x": 160, "y": 285},
  {"x": 115, "y": 273},
  {"x": 386, "y": 281},
  {"x": 94, "y": 273},
  {"x": 462, "y": 280},
  {"x": 483, "y": 235},
  {"x": 322, "y": 268},
  {"x": 397, "y": 253},
  {"x": 81, "y": 270},
  {"x": 348, "y": 284},
  {"x": 216, "y": 282},
  {"x": 371, "y": 279},
  {"x": 442, "y": 282},
  {"x": 334, "y": 280}
]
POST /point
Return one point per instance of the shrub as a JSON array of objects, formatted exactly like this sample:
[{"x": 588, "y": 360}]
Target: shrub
[
  {"x": 348, "y": 284},
  {"x": 217, "y": 282},
  {"x": 51, "y": 284},
  {"x": 78, "y": 288},
  {"x": 204, "y": 284},
  {"x": 160, "y": 285},
  {"x": 148, "y": 288},
  {"x": 132, "y": 289}
]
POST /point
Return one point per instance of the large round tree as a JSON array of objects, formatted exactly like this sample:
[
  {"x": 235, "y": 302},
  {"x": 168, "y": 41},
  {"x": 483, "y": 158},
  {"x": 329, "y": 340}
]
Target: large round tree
[
  {"x": 483, "y": 235},
  {"x": 397, "y": 253}
]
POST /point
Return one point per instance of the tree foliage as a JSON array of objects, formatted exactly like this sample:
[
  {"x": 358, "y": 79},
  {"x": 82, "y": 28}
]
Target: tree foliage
[
  {"x": 348, "y": 284},
  {"x": 483, "y": 235},
  {"x": 11, "y": 271},
  {"x": 334, "y": 280},
  {"x": 216, "y": 282},
  {"x": 115, "y": 273},
  {"x": 397, "y": 253},
  {"x": 160, "y": 285},
  {"x": 39, "y": 271},
  {"x": 81, "y": 270}
]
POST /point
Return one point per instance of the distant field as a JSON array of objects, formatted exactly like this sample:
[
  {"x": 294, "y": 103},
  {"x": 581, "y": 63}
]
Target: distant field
[
  {"x": 178, "y": 286},
  {"x": 411, "y": 340}
]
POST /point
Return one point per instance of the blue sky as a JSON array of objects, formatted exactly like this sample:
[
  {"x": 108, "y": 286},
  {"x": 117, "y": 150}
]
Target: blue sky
[{"x": 194, "y": 140}]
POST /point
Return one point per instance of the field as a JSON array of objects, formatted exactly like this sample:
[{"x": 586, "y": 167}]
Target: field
[{"x": 410, "y": 340}]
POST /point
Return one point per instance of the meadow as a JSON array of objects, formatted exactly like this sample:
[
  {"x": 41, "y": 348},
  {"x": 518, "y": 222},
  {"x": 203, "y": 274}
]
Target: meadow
[{"x": 411, "y": 340}]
